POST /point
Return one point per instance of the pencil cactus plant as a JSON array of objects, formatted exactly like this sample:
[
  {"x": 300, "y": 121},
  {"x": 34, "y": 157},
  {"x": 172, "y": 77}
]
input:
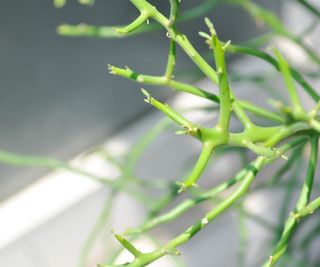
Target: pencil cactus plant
[
  {"x": 284, "y": 133},
  {"x": 294, "y": 125}
]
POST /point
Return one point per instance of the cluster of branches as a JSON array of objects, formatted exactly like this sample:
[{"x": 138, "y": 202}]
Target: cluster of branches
[{"x": 293, "y": 128}]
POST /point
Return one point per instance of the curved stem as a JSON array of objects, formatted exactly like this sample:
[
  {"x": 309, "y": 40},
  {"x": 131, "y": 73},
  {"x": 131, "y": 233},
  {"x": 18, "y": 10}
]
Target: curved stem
[
  {"x": 286, "y": 72},
  {"x": 135, "y": 24},
  {"x": 302, "y": 202},
  {"x": 198, "y": 169},
  {"x": 266, "y": 57}
]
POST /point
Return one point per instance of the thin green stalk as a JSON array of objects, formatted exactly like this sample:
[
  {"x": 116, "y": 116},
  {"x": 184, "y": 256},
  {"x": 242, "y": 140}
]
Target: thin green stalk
[
  {"x": 173, "y": 115},
  {"x": 273, "y": 22},
  {"x": 139, "y": 147},
  {"x": 224, "y": 88},
  {"x": 187, "y": 88},
  {"x": 308, "y": 183},
  {"x": 261, "y": 112},
  {"x": 29, "y": 161},
  {"x": 163, "y": 81},
  {"x": 101, "y": 222},
  {"x": 211, "y": 215},
  {"x": 292, "y": 184},
  {"x": 200, "y": 166},
  {"x": 242, "y": 116},
  {"x": 188, "y": 204},
  {"x": 51, "y": 163},
  {"x": 143, "y": 17},
  {"x": 310, "y": 7},
  {"x": 295, "y": 157},
  {"x": 171, "y": 61},
  {"x": 179, "y": 38},
  {"x": 242, "y": 237},
  {"x": 286, "y": 72},
  {"x": 302, "y": 202},
  {"x": 85, "y": 30},
  {"x": 266, "y": 57},
  {"x": 308, "y": 210},
  {"x": 174, "y": 10}
]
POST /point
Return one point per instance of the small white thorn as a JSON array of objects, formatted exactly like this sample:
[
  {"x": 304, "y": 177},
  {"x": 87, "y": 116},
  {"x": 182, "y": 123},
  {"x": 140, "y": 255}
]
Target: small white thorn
[
  {"x": 204, "y": 221},
  {"x": 226, "y": 45},
  {"x": 181, "y": 132},
  {"x": 204, "y": 35},
  {"x": 270, "y": 259}
]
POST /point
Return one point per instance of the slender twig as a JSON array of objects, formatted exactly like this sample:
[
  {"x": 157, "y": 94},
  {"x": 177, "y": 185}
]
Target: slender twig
[{"x": 302, "y": 202}]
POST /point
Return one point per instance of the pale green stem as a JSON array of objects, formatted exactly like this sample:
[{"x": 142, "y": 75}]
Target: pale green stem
[
  {"x": 310, "y": 7},
  {"x": 109, "y": 31},
  {"x": 274, "y": 23},
  {"x": 308, "y": 210},
  {"x": 266, "y": 57},
  {"x": 179, "y": 38},
  {"x": 163, "y": 81},
  {"x": 258, "y": 111},
  {"x": 97, "y": 229},
  {"x": 140, "y": 146},
  {"x": 224, "y": 88},
  {"x": 200, "y": 166},
  {"x": 287, "y": 75},
  {"x": 143, "y": 17},
  {"x": 242, "y": 116},
  {"x": 173, "y": 115},
  {"x": 187, "y": 88},
  {"x": 188, "y": 204},
  {"x": 302, "y": 202},
  {"x": 171, "y": 61},
  {"x": 242, "y": 237}
]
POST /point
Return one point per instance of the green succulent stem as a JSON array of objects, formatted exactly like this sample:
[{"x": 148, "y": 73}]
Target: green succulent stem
[
  {"x": 200, "y": 166},
  {"x": 135, "y": 24},
  {"x": 310, "y": 7},
  {"x": 301, "y": 205},
  {"x": 298, "y": 110}
]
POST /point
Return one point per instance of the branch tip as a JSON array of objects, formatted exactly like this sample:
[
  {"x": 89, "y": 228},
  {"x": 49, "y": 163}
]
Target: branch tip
[
  {"x": 111, "y": 69},
  {"x": 128, "y": 245},
  {"x": 173, "y": 251},
  {"x": 226, "y": 45},
  {"x": 210, "y": 26},
  {"x": 182, "y": 187},
  {"x": 147, "y": 95},
  {"x": 204, "y": 35}
]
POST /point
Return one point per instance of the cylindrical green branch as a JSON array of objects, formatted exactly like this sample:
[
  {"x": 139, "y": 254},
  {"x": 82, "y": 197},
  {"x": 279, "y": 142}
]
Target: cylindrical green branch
[
  {"x": 200, "y": 166},
  {"x": 291, "y": 223}
]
